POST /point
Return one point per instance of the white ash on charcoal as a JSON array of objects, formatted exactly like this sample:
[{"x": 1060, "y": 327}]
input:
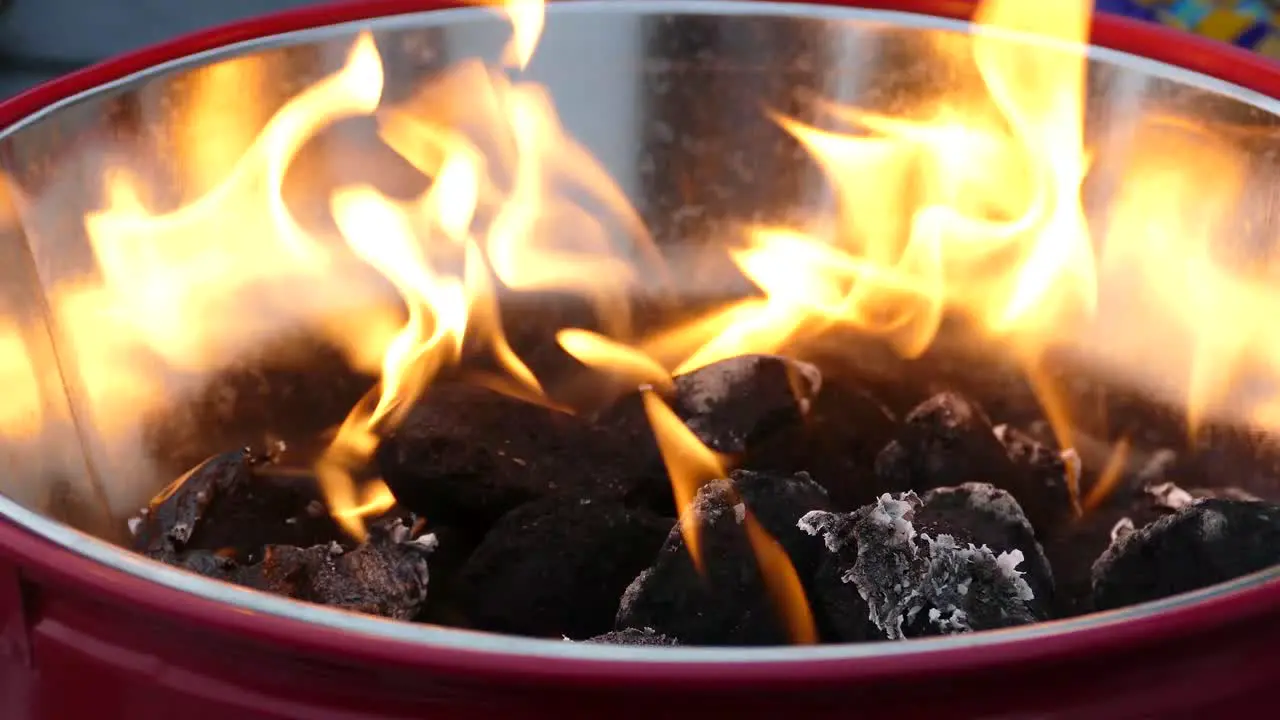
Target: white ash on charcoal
[
  {"x": 727, "y": 604},
  {"x": 948, "y": 441},
  {"x": 557, "y": 566},
  {"x": 922, "y": 571},
  {"x": 645, "y": 637},
  {"x": 1207, "y": 542},
  {"x": 233, "y": 504},
  {"x": 468, "y": 455}
]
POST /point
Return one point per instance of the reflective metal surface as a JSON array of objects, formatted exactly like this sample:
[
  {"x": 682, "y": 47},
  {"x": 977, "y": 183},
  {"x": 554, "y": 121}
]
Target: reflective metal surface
[{"x": 667, "y": 95}]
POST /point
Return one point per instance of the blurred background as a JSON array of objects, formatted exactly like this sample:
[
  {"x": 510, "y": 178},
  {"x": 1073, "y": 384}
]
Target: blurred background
[{"x": 40, "y": 39}]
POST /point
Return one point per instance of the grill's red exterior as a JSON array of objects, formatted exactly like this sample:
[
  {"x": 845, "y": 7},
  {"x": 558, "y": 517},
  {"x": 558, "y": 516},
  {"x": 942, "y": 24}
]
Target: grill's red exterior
[{"x": 80, "y": 640}]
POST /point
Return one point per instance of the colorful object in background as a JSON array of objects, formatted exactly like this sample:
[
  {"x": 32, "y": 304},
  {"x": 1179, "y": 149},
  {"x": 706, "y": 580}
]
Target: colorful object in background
[{"x": 1252, "y": 24}]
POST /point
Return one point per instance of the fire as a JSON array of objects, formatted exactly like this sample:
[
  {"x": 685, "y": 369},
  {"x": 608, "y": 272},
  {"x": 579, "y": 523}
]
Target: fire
[
  {"x": 690, "y": 465},
  {"x": 970, "y": 206}
]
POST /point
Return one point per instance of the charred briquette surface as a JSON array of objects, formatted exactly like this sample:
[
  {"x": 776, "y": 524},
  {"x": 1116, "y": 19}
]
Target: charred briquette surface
[
  {"x": 387, "y": 575},
  {"x": 730, "y": 605},
  {"x": 292, "y": 391},
  {"x": 836, "y": 442},
  {"x": 556, "y": 567},
  {"x": 732, "y": 406},
  {"x": 467, "y": 455},
  {"x": 455, "y": 544},
  {"x": 1208, "y": 542},
  {"x": 236, "y": 504},
  {"x": 948, "y": 441},
  {"x": 984, "y": 515},
  {"x": 930, "y": 580},
  {"x": 637, "y": 637}
]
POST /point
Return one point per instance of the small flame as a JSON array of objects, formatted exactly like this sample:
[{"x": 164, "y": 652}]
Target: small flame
[
  {"x": 690, "y": 465},
  {"x": 1110, "y": 477},
  {"x": 595, "y": 350}
]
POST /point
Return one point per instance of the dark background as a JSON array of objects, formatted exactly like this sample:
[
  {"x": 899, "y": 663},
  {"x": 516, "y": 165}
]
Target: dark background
[{"x": 41, "y": 39}]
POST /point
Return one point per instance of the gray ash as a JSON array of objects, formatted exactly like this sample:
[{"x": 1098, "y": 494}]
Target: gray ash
[
  {"x": 934, "y": 579},
  {"x": 636, "y": 637},
  {"x": 1207, "y": 542},
  {"x": 728, "y": 603}
]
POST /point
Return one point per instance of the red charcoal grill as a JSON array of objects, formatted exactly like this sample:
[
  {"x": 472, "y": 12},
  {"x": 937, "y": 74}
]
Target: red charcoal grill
[{"x": 89, "y": 630}]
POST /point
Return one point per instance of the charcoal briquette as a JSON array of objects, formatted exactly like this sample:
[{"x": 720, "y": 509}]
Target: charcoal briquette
[
  {"x": 236, "y": 504},
  {"x": 291, "y": 390},
  {"x": 732, "y": 406},
  {"x": 932, "y": 579},
  {"x": 387, "y": 575},
  {"x": 1055, "y": 472},
  {"x": 173, "y": 516},
  {"x": 836, "y": 442},
  {"x": 948, "y": 441},
  {"x": 984, "y": 515},
  {"x": 556, "y": 567},
  {"x": 737, "y": 402},
  {"x": 729, "y": 603},
  {"x": 645, "y": 637},
  {"x": 469, "y": 454},
  {"x": 1208, "y": 542}
]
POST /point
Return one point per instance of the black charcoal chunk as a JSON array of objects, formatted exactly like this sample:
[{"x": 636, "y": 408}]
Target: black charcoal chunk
[
  {"x": 468, "y": 454},
  {"x": 637, "y": 637},
  {"x": 235, "y": 504},
  {"x": 730, "y": 604},
  {"x": 386, "y": 575},
  {"x": 732, "y": 406},
  {"x": 167, "y": 524},
  {"x": 739, "y": 401},
  {"x": 1205, "y": 543},
  {"x": 1055, "y": 472},
  {"x": 948, "y": 441},
  {"x": 556, "y": 567},
  {"x": 919, "y": 582},
  {"x": 984, "y": 515},
  {"x": 836, "y": 442},
  {"x": 292, "y": 390}
]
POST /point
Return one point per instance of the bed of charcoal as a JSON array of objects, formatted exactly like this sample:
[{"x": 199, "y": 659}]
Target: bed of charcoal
[{"x": 912, "y": 499}]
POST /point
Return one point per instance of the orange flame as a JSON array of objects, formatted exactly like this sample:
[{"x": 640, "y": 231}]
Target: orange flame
[{"x": 690, "y": 465}]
